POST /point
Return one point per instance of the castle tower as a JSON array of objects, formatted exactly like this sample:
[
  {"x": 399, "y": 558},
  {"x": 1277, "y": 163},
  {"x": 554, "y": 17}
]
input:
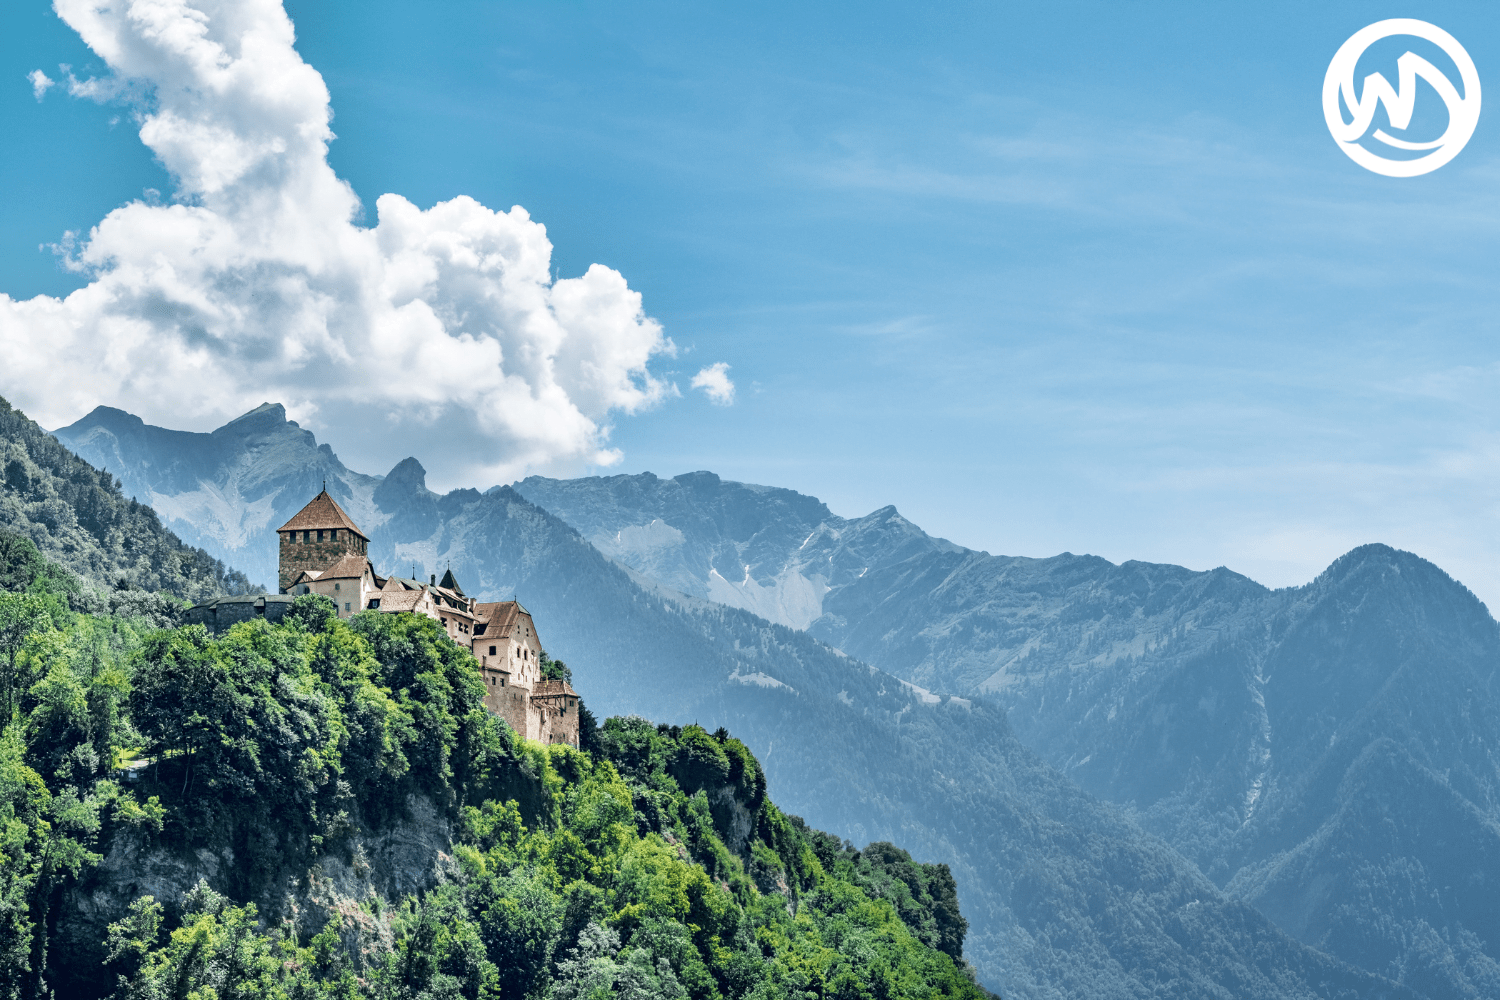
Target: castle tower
[{"x": 318, "y": 536}]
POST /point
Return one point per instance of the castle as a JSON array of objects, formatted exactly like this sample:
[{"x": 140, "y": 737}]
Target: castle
[{"x": 324, "y": 552}]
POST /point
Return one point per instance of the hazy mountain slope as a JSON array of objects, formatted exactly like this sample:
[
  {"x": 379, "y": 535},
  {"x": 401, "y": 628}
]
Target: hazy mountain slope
[
  {"x": 1384, "y": 783},
  {"x": 76, "y": 516},
  {"x": 933, "y": 612},
  {"x": 771, "y": 551},
  {"x": 1239, "y": 724},
  {"x": 228, "y": 490},
  {"x": 1066, "y": 896}
]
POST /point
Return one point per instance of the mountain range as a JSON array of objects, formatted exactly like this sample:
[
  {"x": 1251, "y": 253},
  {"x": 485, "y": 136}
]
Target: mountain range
[
  {"x": 1133, "y": 766},
  {"x": 1261, "y": 733}
]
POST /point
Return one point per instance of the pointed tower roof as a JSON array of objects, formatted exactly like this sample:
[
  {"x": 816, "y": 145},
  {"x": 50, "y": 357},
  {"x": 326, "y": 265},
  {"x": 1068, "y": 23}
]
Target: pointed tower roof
[
  {"x": 449, "y": 582},
  {"x": 322, "y": 512}
]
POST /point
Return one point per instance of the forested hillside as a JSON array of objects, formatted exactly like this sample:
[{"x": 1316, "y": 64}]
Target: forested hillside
[
  {"x": 322, "y": 808},
  {"x": 76, "y": 516}
]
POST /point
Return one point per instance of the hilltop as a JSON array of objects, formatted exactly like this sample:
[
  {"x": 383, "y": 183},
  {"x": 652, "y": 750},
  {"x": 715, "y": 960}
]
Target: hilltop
[{"x": 326, "y": 810}]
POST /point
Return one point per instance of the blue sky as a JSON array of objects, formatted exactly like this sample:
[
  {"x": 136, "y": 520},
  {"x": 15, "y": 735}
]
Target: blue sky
[{"x": 1085, "y": 277}]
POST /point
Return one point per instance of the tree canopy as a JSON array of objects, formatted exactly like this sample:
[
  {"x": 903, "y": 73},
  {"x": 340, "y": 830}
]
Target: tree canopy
[{"x": 649, "y": 863}]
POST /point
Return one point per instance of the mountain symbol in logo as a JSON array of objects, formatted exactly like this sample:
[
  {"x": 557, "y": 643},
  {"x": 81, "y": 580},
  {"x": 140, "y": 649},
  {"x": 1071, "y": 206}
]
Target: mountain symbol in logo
[{"x": 1399, "y": 101}]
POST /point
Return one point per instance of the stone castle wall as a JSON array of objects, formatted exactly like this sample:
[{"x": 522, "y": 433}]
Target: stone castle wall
[
  {"x": 510, "y": 703},
  {"x": 314, "y": 555},
  {"x": 557, "y": 720},
  {"x": 228, "y": 611}
]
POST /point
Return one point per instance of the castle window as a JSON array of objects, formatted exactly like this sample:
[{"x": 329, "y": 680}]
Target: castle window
[
  {"x": 307, "y": 536},
  {"x": 335, "y": 586},
  {"x": 492, "y": 650},
  {"x": 333, "y": 535},
  {"x": 320, "y": 534}
]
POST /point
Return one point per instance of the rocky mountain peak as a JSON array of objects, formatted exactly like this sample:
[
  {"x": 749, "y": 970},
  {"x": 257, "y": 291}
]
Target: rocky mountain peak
[
  {"x": 264, "y": 418},
  {"x": 111, "y": 419},
  {"x": 403, "y": 486}
]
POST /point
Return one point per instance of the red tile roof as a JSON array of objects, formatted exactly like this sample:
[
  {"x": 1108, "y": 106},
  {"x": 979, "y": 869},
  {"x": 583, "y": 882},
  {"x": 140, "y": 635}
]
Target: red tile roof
[
  {"x": 322, "y": 512},
  {"x": 350, "y": 567},
  {"x": 551, "y": 688},
  {"x": 400, "y": 600},
  {"x": 499, "y": 618}
]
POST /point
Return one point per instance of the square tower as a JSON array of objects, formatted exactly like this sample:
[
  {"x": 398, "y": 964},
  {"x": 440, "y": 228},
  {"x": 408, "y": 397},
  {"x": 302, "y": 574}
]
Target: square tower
[{"x": 317, "y": 537}]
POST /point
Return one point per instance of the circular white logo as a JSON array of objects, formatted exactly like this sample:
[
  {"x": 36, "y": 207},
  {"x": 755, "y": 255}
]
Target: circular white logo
[{"x": 1400, "y": 101}]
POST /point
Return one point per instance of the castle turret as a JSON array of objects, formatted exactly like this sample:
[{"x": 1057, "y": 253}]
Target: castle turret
[{"x": 318, "y": 536}]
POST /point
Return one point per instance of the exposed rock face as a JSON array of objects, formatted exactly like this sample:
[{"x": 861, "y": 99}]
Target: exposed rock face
[
  {"x": 353, "y": 884},
  {"x": 734, "y": 821},
  {"x": 773, "y": 552}
]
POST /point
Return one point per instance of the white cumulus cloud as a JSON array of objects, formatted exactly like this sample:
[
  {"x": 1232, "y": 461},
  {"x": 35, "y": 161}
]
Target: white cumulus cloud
[
  {"x": 435, "y": 332},
  {"x": 40, "y": 83},
  {"x": 714, "y": 380}
]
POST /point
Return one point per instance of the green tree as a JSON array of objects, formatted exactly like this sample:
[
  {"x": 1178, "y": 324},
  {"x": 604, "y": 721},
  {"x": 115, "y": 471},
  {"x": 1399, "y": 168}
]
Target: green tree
[
  {"x": 24, "y": 804},
  {"x": 21, "y": 615}
]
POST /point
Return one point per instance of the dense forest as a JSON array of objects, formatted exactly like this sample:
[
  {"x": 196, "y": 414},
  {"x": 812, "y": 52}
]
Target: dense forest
[
  {"x": 649, "y": 863},
  {"x": 77, "y": 517}
]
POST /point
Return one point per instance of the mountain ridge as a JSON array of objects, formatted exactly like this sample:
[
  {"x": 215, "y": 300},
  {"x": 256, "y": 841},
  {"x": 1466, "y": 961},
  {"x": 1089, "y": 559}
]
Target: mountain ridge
[{"x": 1191, "y": 699}]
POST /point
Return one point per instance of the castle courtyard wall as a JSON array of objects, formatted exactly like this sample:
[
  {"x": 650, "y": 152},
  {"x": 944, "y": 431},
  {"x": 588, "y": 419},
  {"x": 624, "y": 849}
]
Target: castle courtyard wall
[{"x": 509, "y": 702}]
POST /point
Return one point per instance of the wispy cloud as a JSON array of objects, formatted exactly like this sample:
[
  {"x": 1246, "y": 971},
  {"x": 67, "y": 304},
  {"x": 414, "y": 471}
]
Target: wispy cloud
[
  {"x": 715, "y": 383},
  {"x": 40, "y": 83}
]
